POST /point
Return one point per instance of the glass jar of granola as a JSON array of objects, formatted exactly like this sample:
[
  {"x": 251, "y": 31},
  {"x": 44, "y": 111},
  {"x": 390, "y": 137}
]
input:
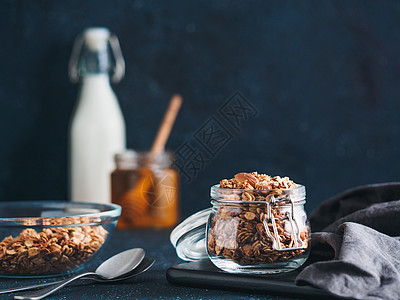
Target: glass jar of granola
[{"x": 258, "y": 225}]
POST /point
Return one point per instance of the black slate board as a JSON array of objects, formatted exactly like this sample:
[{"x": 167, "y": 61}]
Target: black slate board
[{"x": 204, "y": 274}]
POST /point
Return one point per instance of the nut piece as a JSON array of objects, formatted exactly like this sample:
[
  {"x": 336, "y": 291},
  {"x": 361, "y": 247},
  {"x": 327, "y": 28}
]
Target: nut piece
[
  {"x": 249, "y": 216},
  {"x": 251, "y": 179},
  {"x": 246, "y": 196}
]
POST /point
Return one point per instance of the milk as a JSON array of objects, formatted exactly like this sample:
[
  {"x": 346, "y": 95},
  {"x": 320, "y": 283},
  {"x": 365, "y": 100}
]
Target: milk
[{"x": 97, "y": 129}]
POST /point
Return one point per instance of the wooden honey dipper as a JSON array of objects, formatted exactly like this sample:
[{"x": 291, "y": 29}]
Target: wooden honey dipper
[
  {"x": 166, "y": 125},
  {"x": 136, "y": 201}
]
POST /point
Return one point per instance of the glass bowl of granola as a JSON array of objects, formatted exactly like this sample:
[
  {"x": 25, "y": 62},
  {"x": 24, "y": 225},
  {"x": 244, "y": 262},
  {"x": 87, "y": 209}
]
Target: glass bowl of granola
[
  {"x": 45, "y": 238},
  {"x": 258, "y": 225}
]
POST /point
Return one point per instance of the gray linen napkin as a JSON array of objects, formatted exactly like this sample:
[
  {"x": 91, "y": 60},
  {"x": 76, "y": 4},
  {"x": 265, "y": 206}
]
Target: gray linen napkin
[{"x": 362, "y": 227}]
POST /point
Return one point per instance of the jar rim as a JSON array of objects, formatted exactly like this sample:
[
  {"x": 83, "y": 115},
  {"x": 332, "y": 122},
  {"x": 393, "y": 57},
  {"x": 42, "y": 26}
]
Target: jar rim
[
  {"x": 241, "y": 202},
  {"x": 133, "y": 159},
  {"x": 218, "y": 195}
]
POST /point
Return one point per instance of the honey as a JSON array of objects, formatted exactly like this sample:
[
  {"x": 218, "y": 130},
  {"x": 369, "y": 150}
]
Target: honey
[{"x": 147, "y": 188}]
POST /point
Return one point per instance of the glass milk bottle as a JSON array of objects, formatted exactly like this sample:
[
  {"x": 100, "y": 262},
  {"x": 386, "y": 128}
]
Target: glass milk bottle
[{"x": 97, "y": 129}]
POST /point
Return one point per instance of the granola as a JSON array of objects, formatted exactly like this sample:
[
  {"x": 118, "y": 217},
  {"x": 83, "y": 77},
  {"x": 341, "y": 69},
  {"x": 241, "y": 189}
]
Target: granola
[
  {"x": 237, "y": 229},
  {"x": 53, "y": 250},
  {"x": 257, "y": 181}
]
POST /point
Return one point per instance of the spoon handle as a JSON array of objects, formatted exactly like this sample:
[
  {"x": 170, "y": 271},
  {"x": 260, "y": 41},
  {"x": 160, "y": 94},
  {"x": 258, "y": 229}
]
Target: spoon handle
[
  {"x": 40, "y": 294},
  {"x": 31, "y": 287},
  {"x": 28, "y": 287}
]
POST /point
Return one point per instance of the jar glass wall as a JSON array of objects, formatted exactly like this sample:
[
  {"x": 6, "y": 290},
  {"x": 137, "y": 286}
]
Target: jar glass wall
[
  {"x": 258, "y": 231},
  {"x": 147, "y": 188}
]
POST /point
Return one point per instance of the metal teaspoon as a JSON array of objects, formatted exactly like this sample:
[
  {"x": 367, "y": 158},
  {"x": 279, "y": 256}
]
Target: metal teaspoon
[{"x": 117, "y": 266}]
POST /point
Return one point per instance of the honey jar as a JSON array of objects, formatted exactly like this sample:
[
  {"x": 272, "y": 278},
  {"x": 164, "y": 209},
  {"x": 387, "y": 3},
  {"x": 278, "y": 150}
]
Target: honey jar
[{"x": 147, "y": 187}]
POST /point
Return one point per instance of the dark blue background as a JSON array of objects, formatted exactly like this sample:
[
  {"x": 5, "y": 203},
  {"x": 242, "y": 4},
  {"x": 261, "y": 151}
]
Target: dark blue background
[{"x": 324, "y": 76}]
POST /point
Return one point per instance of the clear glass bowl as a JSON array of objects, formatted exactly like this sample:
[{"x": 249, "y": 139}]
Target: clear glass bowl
[
  {"x": 45, "y": 238},
  {"x": 258, "y": 231}
]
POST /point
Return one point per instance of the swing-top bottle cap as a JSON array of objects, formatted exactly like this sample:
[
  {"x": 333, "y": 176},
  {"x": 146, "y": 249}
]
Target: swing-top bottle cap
[
  {"x": 97, "y": 56},
  {"x": 96, "y": 38}
]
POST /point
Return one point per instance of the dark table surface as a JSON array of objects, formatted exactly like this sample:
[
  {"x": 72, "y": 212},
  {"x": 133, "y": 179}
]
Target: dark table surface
[{"x": 151, "y": 285}]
